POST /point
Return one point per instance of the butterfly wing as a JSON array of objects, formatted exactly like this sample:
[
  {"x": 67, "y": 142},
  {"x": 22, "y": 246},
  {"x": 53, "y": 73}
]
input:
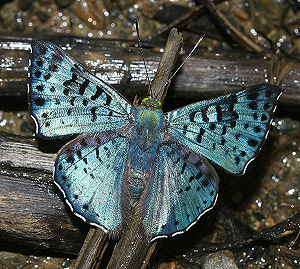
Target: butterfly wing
[
  {"x": 229, "y": 130},
  {"x": 65, "y": 98},
  {"x": 89, "y": 170},
  {"x": 182, "y": 188}
]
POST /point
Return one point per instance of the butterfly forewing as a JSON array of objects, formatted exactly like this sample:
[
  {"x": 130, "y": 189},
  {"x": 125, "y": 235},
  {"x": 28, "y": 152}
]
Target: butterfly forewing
[
  {"x": 183, "y": 186},
  {"x": 90, "y": 171},
  {"x": 228, "y": 130},
  {"x": 65, "y": 98}
]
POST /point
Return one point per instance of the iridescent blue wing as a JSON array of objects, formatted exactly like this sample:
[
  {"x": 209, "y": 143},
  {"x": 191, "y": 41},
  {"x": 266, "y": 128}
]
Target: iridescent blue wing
[
  {"x": 65, "y": 98},
  {"x": 89, "y": 170},
  {"x": 183, "y": 186},
  {"x": 229, "y": 130}
]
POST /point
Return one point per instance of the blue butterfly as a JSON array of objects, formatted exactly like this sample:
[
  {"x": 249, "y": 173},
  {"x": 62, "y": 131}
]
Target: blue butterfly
[{"x": 125, "y": 155}]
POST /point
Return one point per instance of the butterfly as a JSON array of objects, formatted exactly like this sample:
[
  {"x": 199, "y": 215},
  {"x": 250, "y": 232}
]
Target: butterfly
[{"x": 125, "y": 155}]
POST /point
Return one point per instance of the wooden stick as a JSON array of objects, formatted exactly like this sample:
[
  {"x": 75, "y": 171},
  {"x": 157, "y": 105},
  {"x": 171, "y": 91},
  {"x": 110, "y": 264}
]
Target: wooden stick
[
  {"x": 166, "y": 65},
  {"x": 92, "y": 250}
]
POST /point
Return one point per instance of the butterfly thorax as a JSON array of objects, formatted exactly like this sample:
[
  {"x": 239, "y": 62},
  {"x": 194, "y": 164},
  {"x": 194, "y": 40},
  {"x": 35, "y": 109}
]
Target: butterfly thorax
[{"x": 147, "y": 132}]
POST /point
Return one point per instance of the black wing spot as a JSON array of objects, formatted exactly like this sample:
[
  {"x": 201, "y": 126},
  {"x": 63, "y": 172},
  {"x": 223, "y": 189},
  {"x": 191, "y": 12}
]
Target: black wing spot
[
  {"x": 255, "y": 117},
  {"x": 232, "y": 123},
  {"x": 53, "y": 67},
  {"x": 180, "y": 191},
  {"x": 47, "y": 124},
  {"x": 187, "y": 188},
  {"x": 205, "y": 182},
  {"x": 78, "y": 152},
  {"x": 219, "y": 113},
  {"x": 85, "y": 160},
  {"x": 185, "y": 129},
  {"x": 246, "y": 126},
  {"x": 252, "y": 95},
  {"x": 59, "y": 167},
  {"x": 183, "y": 168},
  {"x": 268, "y": 93},
  {"x": 43, "y": 50},
  {"x": 212, "y": 193},
  {"x": 52, "y": 89},
  {"x": 233, "y": 98},
  {"x": 199, "y": 175},
  {"x": 108, "y": 100},
  {"x": 223, "y": 141},
  {"x": 243, "y": 153},
  {"x": 39, "y": 63},
  {"x": 235, "y": 115},
  {"x": 45, "y": 115},
  {"x": 84, "y": 102},
  {"x": 267, "y": 106},
  {"x": 47, "y": 76},
  {"x": 257, "y": 129},
  {"x": 69, "y": 112},
  {"x": 85, "y": 170},
  {"x": 198, "y": 163},
  {"x": 212, "y": 126},
  {"x": 224, "y": 130},
  {"x": 204, "y": 202},
  {"x": 73, "y": 101},
  {"x": 83, "y": 86},
  {"x": 199, "y": 137},
  {"x": 85, "y": 206},
  {"x": 93, "y": 111},
  {"x": 176, "y": 222},
  {"x": 99, "y": 91},
  {"x": 40, "y": 88},
  {"x": 66, "y": 91},
  {"x": 264, "y": 117},
  {"x": 75, "y": 196},
  {"x": 252, "y": 142},
  {"x": 83, "y": 143},
  {"x": 69, "y": 81},
  {"x": 57, "y": 102},
  {"x": 253, "y": 105},
  {"x": 204, "y": 114},
  {"x": 191, "y": 179},
  {"x": 110, "y": 113},
  {"x": 37, "y": 73},
  {"x": 70, "y": 159},
  {"x": 237, "y": 160},
  {"x": 192, "y": 116}
]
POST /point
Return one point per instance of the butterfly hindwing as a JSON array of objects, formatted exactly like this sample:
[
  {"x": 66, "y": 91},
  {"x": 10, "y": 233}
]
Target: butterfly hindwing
[
  {"x": 89, "y": 170},
  {"x": 229, "y": 130},
  {"x": 65, "y": 98},
  {"x": 183, "y": 186}
]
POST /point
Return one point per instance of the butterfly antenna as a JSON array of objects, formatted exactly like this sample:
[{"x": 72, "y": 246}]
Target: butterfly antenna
[
  {"x": 142, "y": 52},
  {"x": 197, "y": 44}
]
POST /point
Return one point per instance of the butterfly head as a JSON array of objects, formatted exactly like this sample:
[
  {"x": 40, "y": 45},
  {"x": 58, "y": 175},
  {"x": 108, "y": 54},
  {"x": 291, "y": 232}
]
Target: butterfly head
[{"x": 150, "y": 103}]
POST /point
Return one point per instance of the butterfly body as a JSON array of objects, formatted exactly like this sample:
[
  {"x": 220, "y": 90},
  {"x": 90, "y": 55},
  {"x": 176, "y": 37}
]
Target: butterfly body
[
  {"x": 146, "y": 133},
  {"x": 125, "y": 155}
]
